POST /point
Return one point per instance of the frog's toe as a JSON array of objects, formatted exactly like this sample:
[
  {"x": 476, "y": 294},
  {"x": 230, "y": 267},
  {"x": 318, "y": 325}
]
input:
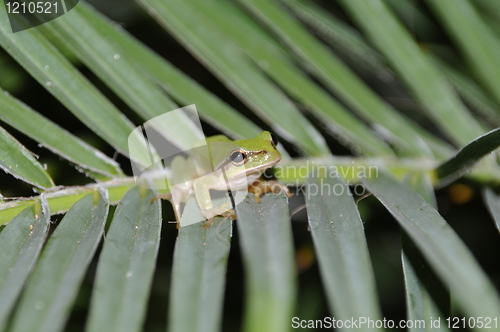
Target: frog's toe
[
  {"x": 231, "y": 214},
  {"x": 284, "y": 189},
  {"x": 258, "y": 188},
  {"x": 256, "y": 198},
  {"x": 209, "y": 222}
]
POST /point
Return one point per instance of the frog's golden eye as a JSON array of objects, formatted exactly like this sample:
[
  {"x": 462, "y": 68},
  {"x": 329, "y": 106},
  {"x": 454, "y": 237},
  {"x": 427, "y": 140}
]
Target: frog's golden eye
[
  {"x": 274, "y": 140},
  {"x": 238, "y": 157}
]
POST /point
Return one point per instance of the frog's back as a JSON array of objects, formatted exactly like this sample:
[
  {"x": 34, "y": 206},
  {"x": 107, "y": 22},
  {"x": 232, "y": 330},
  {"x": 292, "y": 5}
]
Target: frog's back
[
  {"x": 203, "y": 159},
  {"x": 218, "y": 138},
  {"x": 182, "y": 170}
]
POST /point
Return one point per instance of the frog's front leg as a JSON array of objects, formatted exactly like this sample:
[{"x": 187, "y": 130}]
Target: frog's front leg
[
  {"x": 202, "y": 187},
  {"x": 260, "y": 187}
]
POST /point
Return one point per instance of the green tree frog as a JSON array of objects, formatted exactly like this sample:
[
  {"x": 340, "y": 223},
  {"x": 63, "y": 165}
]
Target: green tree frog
[{"x": 224, "y": 165}]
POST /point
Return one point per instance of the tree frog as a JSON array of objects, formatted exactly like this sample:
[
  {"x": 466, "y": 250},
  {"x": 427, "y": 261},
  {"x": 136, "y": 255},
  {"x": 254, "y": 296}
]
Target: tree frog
[{"x": 224, "y": 165}]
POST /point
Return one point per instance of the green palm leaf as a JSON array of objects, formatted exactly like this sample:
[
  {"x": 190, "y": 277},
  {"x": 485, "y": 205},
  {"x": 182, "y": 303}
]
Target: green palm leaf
[
  {"x": 198, "y": 277},
  {"x": 126, "y": 264},
  {"x": 54, "y": 137},
  {"x": 18, "y": 161},
  {"x": 240, "y": 75},
  {"x": 20, "y": 243},
  {"x": 266, "y": 242},
  {"x": 55, "y": 281},
  {"x": 59, "y": 77},
  {"x": 443, "y": 249},
  {"x": 337, "y": 231}
]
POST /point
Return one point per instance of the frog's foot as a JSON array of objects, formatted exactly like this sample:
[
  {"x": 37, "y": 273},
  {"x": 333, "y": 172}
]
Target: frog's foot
[
  {"x": 230, "y": 213},
  {"x": 259, "y": 188},
  {"x": 162, "y": 196},
  {"x": 224, "y": 211},
  {"x": 208, "y": 223}
]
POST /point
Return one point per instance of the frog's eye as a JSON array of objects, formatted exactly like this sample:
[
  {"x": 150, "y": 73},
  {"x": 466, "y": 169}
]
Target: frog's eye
[
  {"x": 274, "y": 140},
  {"x": 238, "y": 157}
]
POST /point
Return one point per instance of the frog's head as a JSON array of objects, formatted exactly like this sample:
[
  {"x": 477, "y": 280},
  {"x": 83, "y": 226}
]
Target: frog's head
[{"x": 254, "y": 155}]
